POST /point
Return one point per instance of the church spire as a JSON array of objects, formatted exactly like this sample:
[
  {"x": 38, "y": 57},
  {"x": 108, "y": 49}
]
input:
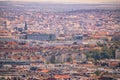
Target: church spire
[{"x": 25, "y": 28}]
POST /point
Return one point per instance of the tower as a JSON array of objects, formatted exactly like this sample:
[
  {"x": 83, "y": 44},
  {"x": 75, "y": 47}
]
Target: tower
[{"x": 25, "y": 28}]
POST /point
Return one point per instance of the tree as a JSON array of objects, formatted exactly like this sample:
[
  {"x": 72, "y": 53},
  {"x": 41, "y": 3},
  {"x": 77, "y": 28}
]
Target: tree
[
  {"x": 95, "y": 54},
  {"x": 2, "y": 78},
  {"x": 110, "y": 52},
  {"x": 97, "y": 73},
  {"x": 104, "y": 55},
  {"x": 107, "y": 52}
]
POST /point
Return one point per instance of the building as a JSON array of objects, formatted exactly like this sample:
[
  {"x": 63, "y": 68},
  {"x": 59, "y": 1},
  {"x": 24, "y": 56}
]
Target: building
[
  {"x": 78, "y": 37},
  {"x": 117, "y": 54},
  {"x": 5, "y": 35},
  {"x": 25, "y": 28},
  {"x": 41, "y": 37}
]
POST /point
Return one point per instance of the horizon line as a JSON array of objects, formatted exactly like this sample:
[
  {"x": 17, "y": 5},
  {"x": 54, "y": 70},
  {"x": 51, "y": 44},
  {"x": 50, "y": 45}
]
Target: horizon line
[{"x": 52, "y": 2}]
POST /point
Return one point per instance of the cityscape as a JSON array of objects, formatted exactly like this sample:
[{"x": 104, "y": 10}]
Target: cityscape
[{"x": 59, "y": 41}]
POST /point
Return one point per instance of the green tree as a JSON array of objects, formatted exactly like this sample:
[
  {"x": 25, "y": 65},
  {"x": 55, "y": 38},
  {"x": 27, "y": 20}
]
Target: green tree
[
  {"x": 97, "y": 73},
  {"x": 2, "y": 78},
  {"x": 104, "y": 55}
]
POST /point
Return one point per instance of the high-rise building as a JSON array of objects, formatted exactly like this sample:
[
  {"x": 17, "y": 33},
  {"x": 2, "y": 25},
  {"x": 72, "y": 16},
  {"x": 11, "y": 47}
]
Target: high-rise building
[{"x": 25, "y": 28}]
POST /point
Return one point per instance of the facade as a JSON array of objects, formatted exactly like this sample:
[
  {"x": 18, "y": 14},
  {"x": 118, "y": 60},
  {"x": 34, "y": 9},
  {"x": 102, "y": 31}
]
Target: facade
[
  {"x": 117, "y": 54},
  {"x": 78, "y": 37},
  {"x": 5, "y": 35},
  {"x": 42, "y": 37}
]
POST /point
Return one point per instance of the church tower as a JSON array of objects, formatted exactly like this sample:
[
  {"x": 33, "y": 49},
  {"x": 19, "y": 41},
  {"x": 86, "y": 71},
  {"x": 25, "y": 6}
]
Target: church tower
[{"x": 25, "y": 28}]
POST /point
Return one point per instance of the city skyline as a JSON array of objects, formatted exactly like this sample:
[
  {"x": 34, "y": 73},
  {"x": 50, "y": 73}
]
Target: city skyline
[{"x": 71, "y": 1}]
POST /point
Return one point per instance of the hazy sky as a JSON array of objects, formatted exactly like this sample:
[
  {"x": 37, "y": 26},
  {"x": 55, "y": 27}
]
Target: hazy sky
[{"x": 71, "y": 1}]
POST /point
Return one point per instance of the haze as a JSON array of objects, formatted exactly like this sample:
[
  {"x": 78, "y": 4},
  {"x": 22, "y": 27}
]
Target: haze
[{"x": 71, "y": 1}]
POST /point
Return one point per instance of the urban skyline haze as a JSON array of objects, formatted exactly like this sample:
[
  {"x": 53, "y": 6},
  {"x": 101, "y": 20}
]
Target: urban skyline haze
[{"x": 71, "y": 1}]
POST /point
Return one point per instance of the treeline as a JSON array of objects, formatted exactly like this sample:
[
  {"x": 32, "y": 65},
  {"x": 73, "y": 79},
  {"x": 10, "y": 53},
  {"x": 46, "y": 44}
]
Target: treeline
[{"x": 107, "y": 51}]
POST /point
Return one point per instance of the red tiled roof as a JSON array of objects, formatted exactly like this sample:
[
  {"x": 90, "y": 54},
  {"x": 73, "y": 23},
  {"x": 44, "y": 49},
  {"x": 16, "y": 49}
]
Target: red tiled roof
[{"x": 62, "y": 76}]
